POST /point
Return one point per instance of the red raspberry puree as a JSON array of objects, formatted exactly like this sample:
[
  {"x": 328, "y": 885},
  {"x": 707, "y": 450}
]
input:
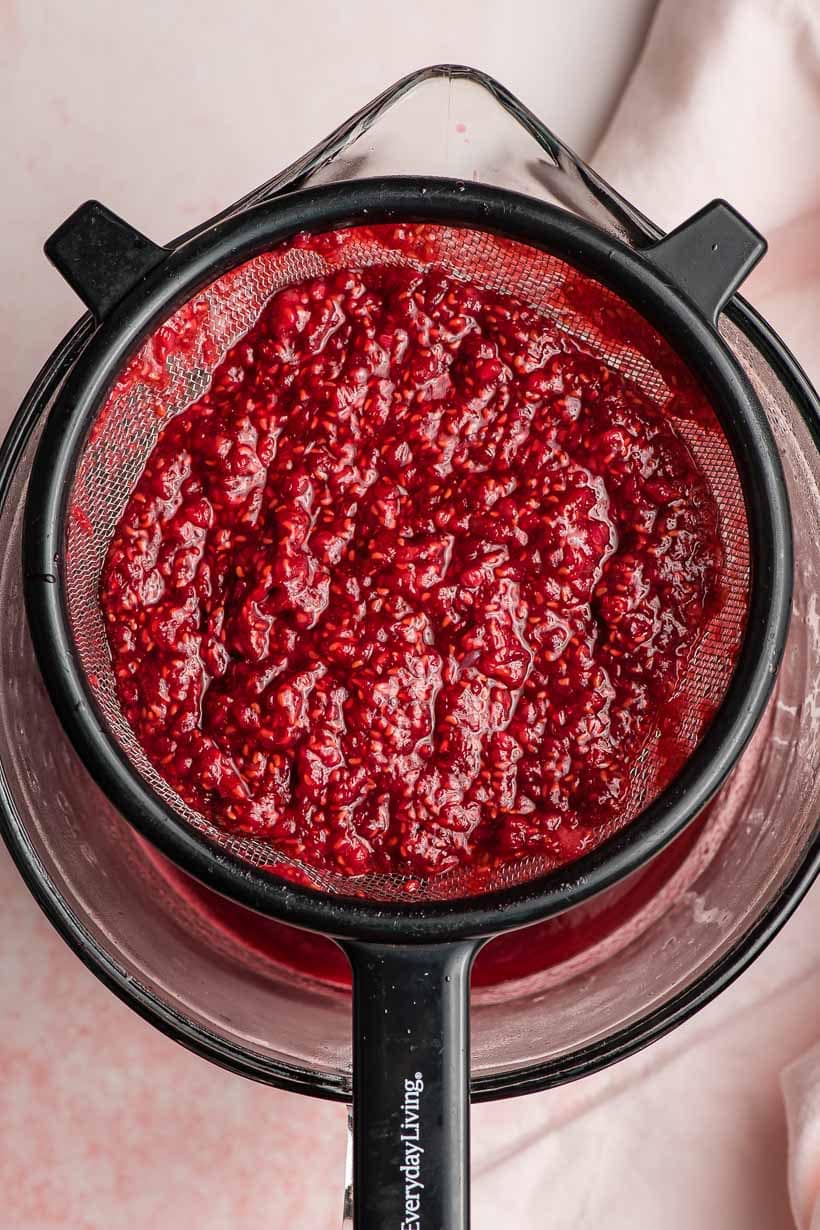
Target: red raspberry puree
[{"x": 413, "y": 584}]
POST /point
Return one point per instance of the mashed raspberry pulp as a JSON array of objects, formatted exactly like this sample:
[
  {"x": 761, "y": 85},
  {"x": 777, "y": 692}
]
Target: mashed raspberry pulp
[{"x": 413, "y": 585}]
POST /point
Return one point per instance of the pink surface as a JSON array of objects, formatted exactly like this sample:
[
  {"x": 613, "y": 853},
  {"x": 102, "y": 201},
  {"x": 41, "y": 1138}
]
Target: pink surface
[{"x": 105, "y": 1123}]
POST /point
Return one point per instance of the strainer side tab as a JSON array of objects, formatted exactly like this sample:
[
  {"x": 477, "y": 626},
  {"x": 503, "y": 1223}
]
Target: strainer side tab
[
  {"x": 101, "y": 256},
  {"x": 709, "y": 256}
]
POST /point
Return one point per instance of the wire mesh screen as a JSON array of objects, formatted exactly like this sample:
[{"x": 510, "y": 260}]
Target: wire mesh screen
[{"x": 174, "y": 368}]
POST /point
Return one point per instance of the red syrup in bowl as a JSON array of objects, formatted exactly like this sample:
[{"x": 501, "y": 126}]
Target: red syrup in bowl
[
  {"x": 531, "y": 959},
  {"x": 413, "y": 585}
]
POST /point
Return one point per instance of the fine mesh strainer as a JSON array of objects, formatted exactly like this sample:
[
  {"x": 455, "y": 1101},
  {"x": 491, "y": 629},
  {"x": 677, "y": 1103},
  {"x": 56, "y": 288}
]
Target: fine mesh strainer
[{"x": 166, "y": 320}]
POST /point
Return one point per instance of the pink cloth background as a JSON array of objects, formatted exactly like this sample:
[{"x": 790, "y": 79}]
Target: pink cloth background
[{"x": 106, "y": 1124}]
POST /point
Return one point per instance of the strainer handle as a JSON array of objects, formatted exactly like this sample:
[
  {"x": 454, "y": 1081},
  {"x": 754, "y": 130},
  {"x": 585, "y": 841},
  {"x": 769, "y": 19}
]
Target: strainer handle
[{"x": 411, "y": 1085}]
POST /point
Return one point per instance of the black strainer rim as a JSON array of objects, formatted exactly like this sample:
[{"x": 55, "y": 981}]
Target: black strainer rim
[{"x": 191, "y": 267}]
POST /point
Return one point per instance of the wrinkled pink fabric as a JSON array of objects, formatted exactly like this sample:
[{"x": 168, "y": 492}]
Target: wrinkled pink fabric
[
  {"x": 725, "y": 101},
  {"x": 105, "y": 1123},
  {"x": 801, "y": 1087}
]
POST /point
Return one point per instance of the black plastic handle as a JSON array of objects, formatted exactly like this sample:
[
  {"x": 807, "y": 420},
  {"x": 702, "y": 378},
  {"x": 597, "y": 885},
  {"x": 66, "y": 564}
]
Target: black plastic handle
[
  {"x": 411, "y": 1085},
  {"x": 101, "y": 257},
  {"x": 709, "y": 255}
]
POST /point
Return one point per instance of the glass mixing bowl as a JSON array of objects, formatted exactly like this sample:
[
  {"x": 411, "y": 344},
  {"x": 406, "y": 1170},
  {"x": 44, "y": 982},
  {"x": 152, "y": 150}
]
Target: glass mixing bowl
[{"x": 551, "y": 1003}]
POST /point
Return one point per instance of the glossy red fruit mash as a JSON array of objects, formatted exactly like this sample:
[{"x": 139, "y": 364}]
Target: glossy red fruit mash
[{"x": 413, "y": 584}]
